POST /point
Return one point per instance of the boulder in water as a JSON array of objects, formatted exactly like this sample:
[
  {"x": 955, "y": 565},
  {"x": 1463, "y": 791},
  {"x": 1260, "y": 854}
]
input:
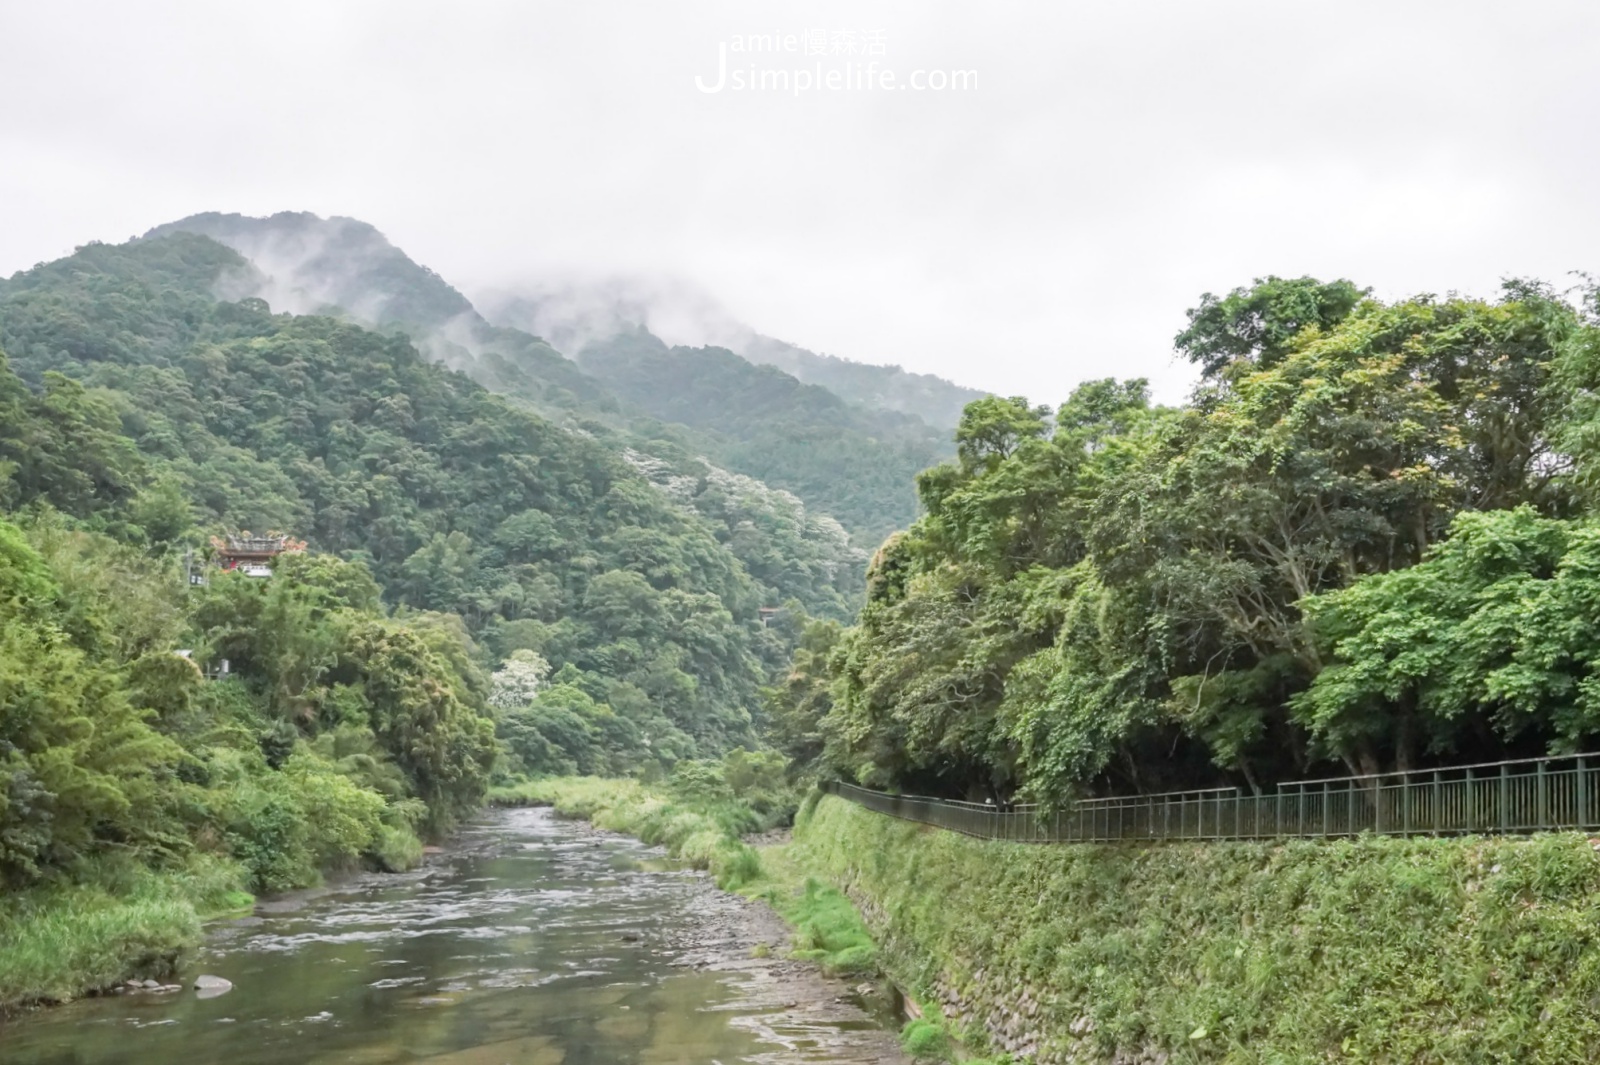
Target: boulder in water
[{"x": 212, "y": 986}]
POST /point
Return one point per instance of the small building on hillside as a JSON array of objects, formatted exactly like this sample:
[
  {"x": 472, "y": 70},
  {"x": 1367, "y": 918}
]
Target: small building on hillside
[{"x": 253, "y": 555}]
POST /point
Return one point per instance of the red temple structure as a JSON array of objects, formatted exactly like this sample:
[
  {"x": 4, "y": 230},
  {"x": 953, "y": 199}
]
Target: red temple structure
[{"x": 253, "y": 555}]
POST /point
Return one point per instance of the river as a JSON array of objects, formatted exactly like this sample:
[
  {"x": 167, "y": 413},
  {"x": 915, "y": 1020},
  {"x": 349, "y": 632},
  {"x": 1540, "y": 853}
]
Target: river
[{"x": 529, "y": 941}]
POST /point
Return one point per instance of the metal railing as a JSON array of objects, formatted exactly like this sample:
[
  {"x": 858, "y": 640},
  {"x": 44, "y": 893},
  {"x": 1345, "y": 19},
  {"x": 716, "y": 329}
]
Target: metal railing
[{"x": 1526, "y": 795}]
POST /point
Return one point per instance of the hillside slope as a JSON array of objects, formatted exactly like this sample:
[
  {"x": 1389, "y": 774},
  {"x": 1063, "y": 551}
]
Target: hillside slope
[
  {"x": 854, "y": 463},
  {"x": 574, "y": 315},
  {"x": 840, "y": 458},
  {"x": 541, "y": 538},
  {"x": 304, "y": 264}
]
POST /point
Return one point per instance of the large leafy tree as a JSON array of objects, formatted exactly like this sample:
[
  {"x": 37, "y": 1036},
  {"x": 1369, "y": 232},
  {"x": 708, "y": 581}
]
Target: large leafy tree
[
  {"x": 1495, "y": 636},
  {"x": 1117, "y": 596}
]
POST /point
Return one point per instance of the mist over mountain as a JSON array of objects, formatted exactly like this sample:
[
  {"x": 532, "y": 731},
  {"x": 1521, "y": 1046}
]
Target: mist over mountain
[
  {"x": 857, "y": 464},
  {"x": 301, "y": 263},
  {"x": 583, "y": 353},
  {"x": 308, "y": 265},
  {"x": 573, "y": 314}
]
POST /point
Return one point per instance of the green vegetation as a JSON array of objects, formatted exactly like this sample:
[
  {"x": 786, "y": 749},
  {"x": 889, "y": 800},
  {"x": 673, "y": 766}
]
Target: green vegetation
[
  {"x": 480, "y": 582},
  {"x": 926, "y": 1038},
  {"x": 137, "y": 796},
  {"x": 1367, "y": 542},
  {"x": 827, "y": 927},
  {"x": 1380, "y": 950},
  {"x": 455, "y": 501},
  {"x": 125, "y": 921},
  {"x": 855, "y": 464},
  {"x": 674, "y": 407},
  {"x": 1361, "y": 546},
  {"x": 933, "y": 399}
]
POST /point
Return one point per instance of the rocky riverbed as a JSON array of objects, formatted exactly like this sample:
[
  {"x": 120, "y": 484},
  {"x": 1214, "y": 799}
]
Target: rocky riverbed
[{"x": 529, "y": 940}]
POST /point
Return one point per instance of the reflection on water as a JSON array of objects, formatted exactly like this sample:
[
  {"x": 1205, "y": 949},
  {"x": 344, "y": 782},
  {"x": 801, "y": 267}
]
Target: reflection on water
[{"x": 537, "y": 943}]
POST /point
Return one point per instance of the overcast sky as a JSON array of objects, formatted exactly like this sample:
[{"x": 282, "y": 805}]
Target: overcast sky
[{"x": 1050, "y": 224}]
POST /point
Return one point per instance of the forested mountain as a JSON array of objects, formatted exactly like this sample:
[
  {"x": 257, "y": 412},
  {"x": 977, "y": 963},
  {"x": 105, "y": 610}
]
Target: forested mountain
[
  {"x": 306, "y": 264},
  {"x": 301, "y": 263},
  {"x": 933, "y": 399},
  {"x": 224, "y": 412},
  {"x": 839, "y": 458},
  {"x": 1365, "y": 544},
  {"x": 855, "y": 464},
  {"x": 574, "y": 315}
]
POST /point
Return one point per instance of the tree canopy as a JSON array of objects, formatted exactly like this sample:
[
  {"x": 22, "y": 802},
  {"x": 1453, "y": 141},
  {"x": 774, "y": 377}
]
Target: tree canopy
[{"x": 1359, "y": 546}]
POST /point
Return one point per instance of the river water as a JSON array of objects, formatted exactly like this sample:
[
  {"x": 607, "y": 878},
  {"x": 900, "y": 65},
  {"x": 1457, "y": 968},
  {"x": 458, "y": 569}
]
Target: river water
[{"x": 530, "y": 941}]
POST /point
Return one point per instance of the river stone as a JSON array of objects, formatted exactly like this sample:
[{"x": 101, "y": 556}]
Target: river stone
[{"x": 212, "y": 986}]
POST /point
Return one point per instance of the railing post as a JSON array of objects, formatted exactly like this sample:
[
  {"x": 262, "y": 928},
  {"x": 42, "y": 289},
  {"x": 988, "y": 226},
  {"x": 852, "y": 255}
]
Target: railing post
[
  {"x": 1301, "y": 803},
  {"x": 1405, "y": 804},
  {"x": 1438, "y": 815},
  {"x": 1583, "y": 794},
  {"x": 1377, "y": 805},
  {"x": 1505, "y": 797},
  {"x": 1277, "y": 816},
  {"x": 1469, "y": 808},
  {"x": 1325, "y": 805},
  {"x": 1543, "y": 800},
  {"x": 1350, "y": 808}
]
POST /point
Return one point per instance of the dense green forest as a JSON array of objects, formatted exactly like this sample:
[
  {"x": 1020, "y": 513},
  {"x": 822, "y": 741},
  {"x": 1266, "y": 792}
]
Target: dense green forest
[
  {"x": 542, "y": 539},
  {"x": 679, "y": 405},
  {"x": 892, "y": 388},
  {"x": 856, "y": 464},
  {"x": 301, "y": 263},
  {"x": 572, "y": 315},
  {"x": 1364, "y": 544}
]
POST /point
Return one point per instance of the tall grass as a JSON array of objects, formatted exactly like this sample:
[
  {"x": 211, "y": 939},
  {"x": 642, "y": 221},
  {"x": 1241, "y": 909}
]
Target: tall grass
[
  {"x": 827, "y": 928},
  {"x": 59, "y": 942}
]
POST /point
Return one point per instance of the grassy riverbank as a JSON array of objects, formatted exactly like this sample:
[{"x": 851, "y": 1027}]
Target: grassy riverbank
[
  {"x": 705, "y": 833},
  {"x": 706, "y": 829},
  {"x": 1374, "y": 950},
  {"x": 61, "y": 942}
]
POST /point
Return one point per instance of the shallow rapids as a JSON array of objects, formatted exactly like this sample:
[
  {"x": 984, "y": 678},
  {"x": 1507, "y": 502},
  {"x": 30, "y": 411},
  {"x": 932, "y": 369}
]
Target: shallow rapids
[{"x": 530, "y": 941}]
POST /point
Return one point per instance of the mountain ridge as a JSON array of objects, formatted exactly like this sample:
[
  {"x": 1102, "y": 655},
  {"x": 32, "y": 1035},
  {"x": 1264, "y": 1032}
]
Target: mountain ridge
[
  {"x": 573, "y": 316},
  {"x": 310, "y": 264}
]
